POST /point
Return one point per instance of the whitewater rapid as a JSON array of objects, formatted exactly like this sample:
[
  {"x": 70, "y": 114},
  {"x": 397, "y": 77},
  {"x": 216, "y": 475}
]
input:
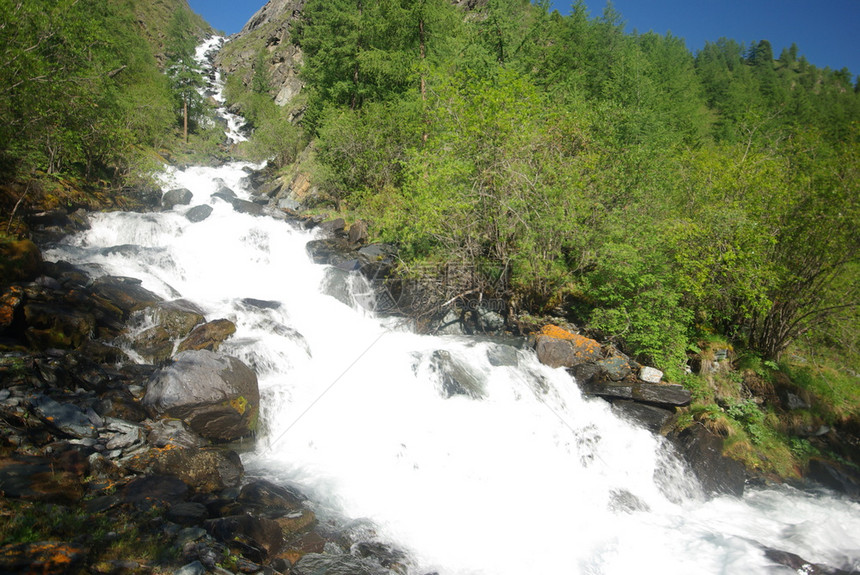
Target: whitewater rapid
[{"x": 529, "y": 477}]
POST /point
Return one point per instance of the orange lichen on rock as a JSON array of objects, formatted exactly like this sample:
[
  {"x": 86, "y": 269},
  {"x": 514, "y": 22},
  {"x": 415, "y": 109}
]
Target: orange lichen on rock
[
  {"x": 556, "y": 332},
  {"x": 557, "y": 347}
]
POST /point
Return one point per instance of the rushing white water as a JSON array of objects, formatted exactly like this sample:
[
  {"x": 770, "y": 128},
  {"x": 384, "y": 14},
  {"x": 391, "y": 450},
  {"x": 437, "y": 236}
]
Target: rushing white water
[{"x": 530, "y": 478}]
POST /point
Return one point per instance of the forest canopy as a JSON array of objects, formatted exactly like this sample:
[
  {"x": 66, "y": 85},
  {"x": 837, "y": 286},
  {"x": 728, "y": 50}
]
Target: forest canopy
[{"x": 619, "y": 180}]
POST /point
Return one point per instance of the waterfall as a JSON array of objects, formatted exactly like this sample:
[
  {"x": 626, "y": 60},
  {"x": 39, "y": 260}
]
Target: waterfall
[{"x": 517, "y": 474}]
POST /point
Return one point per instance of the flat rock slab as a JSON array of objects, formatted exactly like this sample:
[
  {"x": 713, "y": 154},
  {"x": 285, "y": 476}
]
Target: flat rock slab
[
  {"x": 662, "y": 394},
  {"x": 66, "y": 418}
]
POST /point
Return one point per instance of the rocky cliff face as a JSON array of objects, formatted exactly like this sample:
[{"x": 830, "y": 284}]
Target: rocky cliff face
[{"x": 267, "y": 33}]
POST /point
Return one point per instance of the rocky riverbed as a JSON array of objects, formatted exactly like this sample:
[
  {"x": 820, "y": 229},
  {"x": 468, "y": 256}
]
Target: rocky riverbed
[{"x": 120, "y": 431}]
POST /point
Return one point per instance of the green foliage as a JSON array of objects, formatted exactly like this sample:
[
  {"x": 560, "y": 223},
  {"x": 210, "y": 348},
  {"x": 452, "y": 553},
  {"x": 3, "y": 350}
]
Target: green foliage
[
  {"x": 81, "y": 89},
  {"x": 646, "y": 192}
]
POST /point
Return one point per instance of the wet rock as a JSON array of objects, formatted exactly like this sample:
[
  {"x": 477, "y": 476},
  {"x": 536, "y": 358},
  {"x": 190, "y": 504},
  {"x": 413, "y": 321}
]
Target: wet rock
[
  {"x": 318, "y": 564},
  {"x": 208, "y": 336},
  {"x": 173, "y": 321},
  {"x": 225, "y": 193},
  {"x": 386, "y": 555},
  {"x": 65, "y": 418},
  {"x": 154, "y": 491},
  {"x": 662, "y": 394},
  {"x": 503, "y": 355},
  {"x": 614, "y": 368},
  {"x": 800, "y": 565},
  {"x": 176, "y": 197},
  {"x": 43, "y": 557},
  {"x": 556, "y": 347},
  {"x": 173, "y": 433},
  {"x": 586, "y": 374},
  {"x": 333, "y": 227},
  {"x": 125, "y": 293},
  {"x": 270, "y": 189},
  {"x": 193, "y": 568},
  {"x": 267, "y": 496},
  {"x": 650, "y": 417},
  {"x": 198, "y": 213},
  {"x": 836, "y": 476},
  {"x": 121, "y": 404},
  {"x": 246, "y": 207},
  {"x": 608, "y": 391},
  {"x": 294, "y": 522},
  {"x": 188, "y": 513},
  {"x": 332, "y": 251},
  {"x": 703, "y": 451},
  {"x": 254, "y": 533},
  {"x": 207, "y": 469},
  {"x": 122, "y": 434},
  {"x": 216, "y": 395},
  {"x": 358, "y": 233},
  {"x": 455, "y": 376},
  {"x": 144, "y": 197},
  {"x": 178, "y": 317},
  {"x": 488, "y": 321}
]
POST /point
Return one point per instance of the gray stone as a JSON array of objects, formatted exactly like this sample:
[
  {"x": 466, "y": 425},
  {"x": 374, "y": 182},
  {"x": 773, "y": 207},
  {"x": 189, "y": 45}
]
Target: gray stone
[
  {"x": 650, "y": 374},
  {"x": 662, "y": 394},
  {"x": 176, "y": 197},
  {"x": 173, "y": 433},
  {"x": 456, "y": 377},
  {"x": 198, "y": 213},
  {"x": 217, "y": 396},
  {"x": 195, "y": 568},
  {"x": 122, "y": 434},
  {"x": 614, "y": 368},
  {"x": 64, "y": 417}
]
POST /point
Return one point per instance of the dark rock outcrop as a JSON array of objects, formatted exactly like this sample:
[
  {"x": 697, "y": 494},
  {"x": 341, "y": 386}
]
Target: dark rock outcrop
[{"x": 703, "y": 452}]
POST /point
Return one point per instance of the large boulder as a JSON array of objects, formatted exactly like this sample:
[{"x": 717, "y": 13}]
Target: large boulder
[
  {"x": 198, "y": 213},
  {"x": 703, "y": 452},
  {"x": 216, "y": 395},
  {"x": 557, "y": 347},
  {"x": 176, "y": 197}
]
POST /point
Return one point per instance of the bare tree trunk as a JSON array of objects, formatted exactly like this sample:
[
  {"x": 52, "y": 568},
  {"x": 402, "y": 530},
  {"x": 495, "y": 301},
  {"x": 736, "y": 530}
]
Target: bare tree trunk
[{"x": 185, "y": 119}]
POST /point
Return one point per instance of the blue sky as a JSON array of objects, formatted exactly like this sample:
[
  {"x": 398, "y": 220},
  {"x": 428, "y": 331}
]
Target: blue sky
[{"x": 825, "y": 31}]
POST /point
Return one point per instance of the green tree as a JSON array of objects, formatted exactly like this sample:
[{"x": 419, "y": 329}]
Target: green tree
[{"x": 186, "y": 79}]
